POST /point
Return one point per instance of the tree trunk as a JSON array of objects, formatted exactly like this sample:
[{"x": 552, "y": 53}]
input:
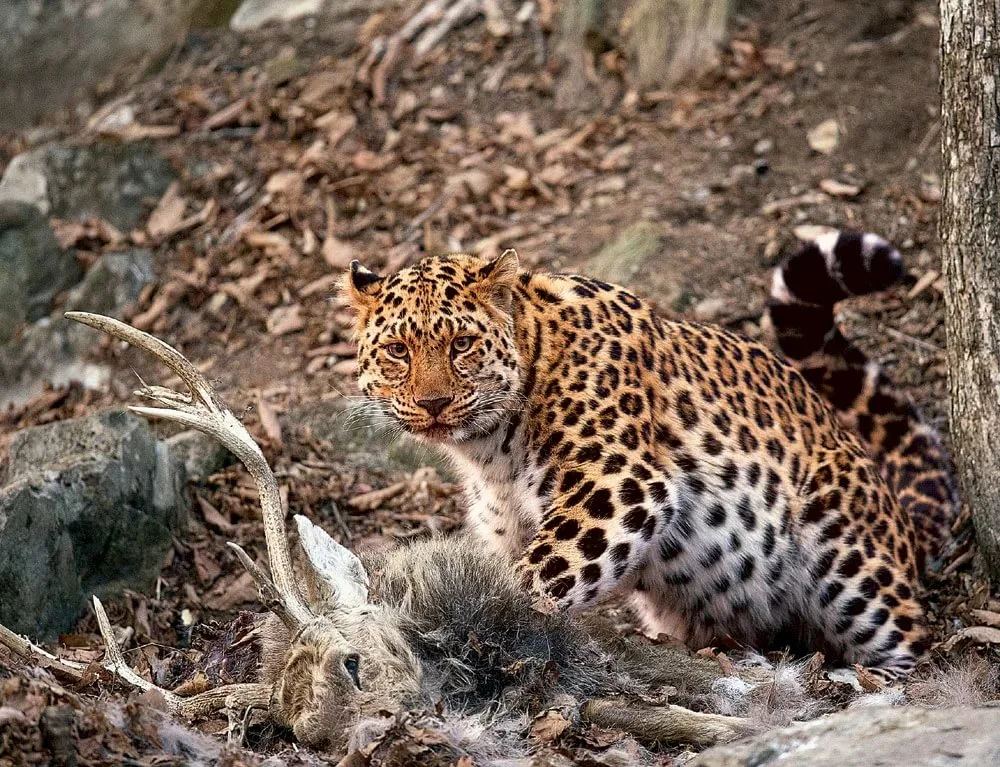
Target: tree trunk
[
  {"x": 970, "y": 237},
  {"x": 672, "y": 40}
]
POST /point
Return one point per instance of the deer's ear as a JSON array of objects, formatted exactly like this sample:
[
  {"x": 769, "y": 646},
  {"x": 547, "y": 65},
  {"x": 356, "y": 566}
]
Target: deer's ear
[
  {"x": 498, "y": 278},
  {"x": 339, "y": 574},
  {"x": 361, "y": 286}
]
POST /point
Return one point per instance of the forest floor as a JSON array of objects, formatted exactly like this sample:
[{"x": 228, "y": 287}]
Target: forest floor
[{"x": 290, "y": 167}]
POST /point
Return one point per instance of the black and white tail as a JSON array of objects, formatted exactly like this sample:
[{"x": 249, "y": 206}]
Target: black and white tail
[{"x": 804, "y": 291}]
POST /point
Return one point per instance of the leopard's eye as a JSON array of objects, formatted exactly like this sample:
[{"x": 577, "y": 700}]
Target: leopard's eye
[
  {"x": 398, "y": 350},
  {"x": 462, "y": 344}
]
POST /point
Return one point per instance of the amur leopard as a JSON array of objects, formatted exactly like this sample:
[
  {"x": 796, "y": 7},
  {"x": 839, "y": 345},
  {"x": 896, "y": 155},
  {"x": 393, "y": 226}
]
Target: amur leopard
[{"x": 611, "y": 450}]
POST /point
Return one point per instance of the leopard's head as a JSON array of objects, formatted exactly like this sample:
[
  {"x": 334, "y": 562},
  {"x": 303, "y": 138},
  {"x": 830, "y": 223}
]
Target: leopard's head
[{"x": 436, "y": 345}]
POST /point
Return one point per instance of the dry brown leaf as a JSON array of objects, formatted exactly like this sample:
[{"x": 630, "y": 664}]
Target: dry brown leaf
[
  {"x": 285, "y": 182},
  {"x": 196, "y": 684},
  {"x": 868, "y": 681},
  {"x": 977, "y": 634},
  {"x": 926, "y": 280},
  {"x": 987, "y": 618},
  {"x": 168, "y": 213},
  {"x": 336, "y": 125},
  {"x": 374, "y": 499},
  {"x": 68, "y": 233},
  {"x": 549, "y": 726},
  {"x": 269, "y": 421},
  {"x": 337, "y": 253},
  {"x": 836, "y": 188},
  {"x": 272, "y": 243},
  {"x": 213, "y": 518},
  {"x": 231, "y": 594},
  {"x": 285, "y": 319},
  {"x": 226, "y": 116}
]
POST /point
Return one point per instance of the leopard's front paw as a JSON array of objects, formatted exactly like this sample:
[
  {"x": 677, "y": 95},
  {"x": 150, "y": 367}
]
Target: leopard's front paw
[{"x": 551, "y": 595}]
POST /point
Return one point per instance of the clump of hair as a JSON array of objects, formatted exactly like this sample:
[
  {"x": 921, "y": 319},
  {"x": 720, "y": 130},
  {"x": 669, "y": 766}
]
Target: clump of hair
[{"x": 968, "y": 681}]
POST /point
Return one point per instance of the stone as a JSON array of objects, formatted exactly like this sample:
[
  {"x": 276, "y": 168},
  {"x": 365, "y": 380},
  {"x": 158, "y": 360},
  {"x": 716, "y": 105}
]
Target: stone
[
  {"x": 87, "y": 506},
  {"x": 254, "y": 14},
  {"x": 106, "y": 179},
  {"x": 53, "y": 349},
  {"x": 33, "y": 268},
  {"x": 55, "y": 54},
  {"x": 24, "y": 181},
  {"x": 359, "y": 440},
  {"x": 904, "y": 736},
  {"x": 201, "y": 454},
  {"x": 109, "y": 180}
]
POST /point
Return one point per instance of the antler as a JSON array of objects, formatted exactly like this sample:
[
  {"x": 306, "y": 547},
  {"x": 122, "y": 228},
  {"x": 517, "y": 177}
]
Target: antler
[{"x": 204, "y": 410}]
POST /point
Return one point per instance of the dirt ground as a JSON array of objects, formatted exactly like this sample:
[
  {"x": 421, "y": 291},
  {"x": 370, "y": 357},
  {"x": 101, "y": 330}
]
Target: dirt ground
[{"x": 290, "y": 167}]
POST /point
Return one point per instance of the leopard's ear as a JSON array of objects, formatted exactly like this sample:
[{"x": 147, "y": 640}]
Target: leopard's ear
[
  {"x": 499, "y": 277},
  {"x": 361, "y": 286}
]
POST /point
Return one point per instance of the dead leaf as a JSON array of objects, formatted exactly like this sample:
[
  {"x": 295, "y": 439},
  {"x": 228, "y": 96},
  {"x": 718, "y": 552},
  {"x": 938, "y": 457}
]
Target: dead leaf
[
  {"x": 285, "y": 319},
  {"x": 337, "y": 253},
  {"x": 868, "y": 681},
  {"x": 168, "y": 213},
  {"x": 213, "y": 518},
  {"x": 285, "y": 182},
  {"x": 549, "y": 726},
  {"x": 809, "y": 232},
  {"x": 926, "y": 280},
  {"x": 976, "y": 634},
  {"x": 68, "y": 233},
  {"x": 987, "y": 617},
  {"x": 825, "y": 137},
  {"x": 836, "y": 188},
  {"x": 336, "y": 125},
  {"x": 225, "y": 116},
  {"x": 230, "y": 595},
  {"x": 269, "y": 420}
]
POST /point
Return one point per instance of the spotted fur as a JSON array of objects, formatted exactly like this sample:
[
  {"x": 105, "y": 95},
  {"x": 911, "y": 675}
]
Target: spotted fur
[
  {"x": 908, "y": 452},
  {"x": 610, "y": 450}
]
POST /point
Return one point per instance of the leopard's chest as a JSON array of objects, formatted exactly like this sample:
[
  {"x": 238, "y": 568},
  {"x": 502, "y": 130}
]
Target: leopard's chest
[{"x": 502, "y": 490}]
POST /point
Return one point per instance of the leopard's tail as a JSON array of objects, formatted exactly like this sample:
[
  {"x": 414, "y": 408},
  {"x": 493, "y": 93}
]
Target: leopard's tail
[{"x": 804, "y": 291}]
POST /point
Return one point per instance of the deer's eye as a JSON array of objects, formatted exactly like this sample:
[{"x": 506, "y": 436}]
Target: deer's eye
[
  {"x": 352, "y": 664},
  {"x": 398, "y": 350},
  {"x": 462, "y": 344}
]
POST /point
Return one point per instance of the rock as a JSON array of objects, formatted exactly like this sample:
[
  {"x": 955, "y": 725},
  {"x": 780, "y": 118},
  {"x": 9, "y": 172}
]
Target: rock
[
  {"x": 55, "y": 53},
  {"x": 201, "y": 454},
  {"x": 33, "y": 268},
  {"x": 889, "y": 737},
  {"x": 825, "y": 137},
  {"x": 360, "y": 441},
  {"x": 619, "y": 262},
  {"x": 108, "y": 180},
  {"x": 709, "y": 309},
  {"x": 53, "y": 348},
  {"x": 254, "y": 14},
  {"x": 87, "y": 506},
  {"x": 24, "y": 181}
]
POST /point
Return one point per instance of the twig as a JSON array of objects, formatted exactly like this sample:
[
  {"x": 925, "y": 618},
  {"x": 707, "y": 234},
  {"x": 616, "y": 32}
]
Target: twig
[{"x": 413, "y": 230}]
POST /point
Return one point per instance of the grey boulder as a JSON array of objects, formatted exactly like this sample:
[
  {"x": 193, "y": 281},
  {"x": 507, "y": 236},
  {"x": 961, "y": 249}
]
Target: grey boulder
[
  {"x": 109, "y": 180},
  {"x": 905, "y": 736},
  {"x": 33, "y": 268},
  {"x": 87, "y": 506}
]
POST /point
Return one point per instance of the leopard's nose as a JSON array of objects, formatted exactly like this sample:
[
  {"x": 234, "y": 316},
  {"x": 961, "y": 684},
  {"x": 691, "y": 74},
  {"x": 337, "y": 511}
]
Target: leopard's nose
[{"x": 436, "y": 405}]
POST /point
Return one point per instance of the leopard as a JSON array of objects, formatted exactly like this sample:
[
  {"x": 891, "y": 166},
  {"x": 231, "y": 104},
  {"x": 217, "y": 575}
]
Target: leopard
[{"x": 609, "y": 450}]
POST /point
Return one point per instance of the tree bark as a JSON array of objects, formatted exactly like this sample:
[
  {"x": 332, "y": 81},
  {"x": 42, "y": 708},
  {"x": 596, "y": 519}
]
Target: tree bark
[
  {"x": 673, "y": 40},
  {"x": 970, "y": 237}
]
